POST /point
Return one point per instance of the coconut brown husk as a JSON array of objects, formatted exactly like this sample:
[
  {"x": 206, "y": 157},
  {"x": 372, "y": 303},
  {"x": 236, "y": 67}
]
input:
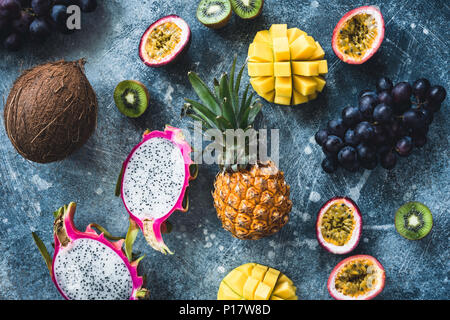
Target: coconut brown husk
[{"x": 51, "y": 111}]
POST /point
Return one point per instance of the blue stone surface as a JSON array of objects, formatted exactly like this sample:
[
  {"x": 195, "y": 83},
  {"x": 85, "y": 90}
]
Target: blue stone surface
[{"x": 416, "y": 45}]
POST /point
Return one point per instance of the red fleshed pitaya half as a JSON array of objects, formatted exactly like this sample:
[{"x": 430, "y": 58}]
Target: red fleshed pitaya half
[
  {"x": 155, "y": 177},
  {"x": 86, "y": 266}
]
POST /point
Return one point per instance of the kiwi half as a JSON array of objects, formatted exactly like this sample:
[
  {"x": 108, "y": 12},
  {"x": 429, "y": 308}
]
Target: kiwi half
[
  {"x": 247, "y": 9},
  {"x": 214, "y": 14},
  {"x": 131, "y": 98},
  {"x": 413, "y": 220}
]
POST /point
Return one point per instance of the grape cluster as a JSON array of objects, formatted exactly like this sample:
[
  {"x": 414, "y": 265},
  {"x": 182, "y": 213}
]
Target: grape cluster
[
  {"x": 387, "y": 123},
  {"x": 35, "y": 19}
]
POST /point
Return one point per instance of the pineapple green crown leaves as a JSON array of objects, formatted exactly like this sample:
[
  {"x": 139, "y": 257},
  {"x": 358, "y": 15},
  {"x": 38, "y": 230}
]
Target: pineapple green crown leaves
[{"x": 222, "y": 108}]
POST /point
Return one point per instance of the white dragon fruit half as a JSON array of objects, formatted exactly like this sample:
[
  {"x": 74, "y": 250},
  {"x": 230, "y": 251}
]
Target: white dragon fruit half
[
  {"x": 154, "y": 180},
  {"x": 86, "y": 266}
]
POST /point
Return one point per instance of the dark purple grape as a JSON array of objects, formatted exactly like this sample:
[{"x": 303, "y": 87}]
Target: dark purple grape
[
  {"x": 423, "y": 130},
  {"x": 401, "y": 93},
  {"x": 321, "y": 136},
  {"x": 365, "y": 131},
  {"x": 420, "y": 89},
  {"x": 351, "y": 138},
  {"x": 366, "y": 106},
  {"x": 365, "y": 152},
  {"x": 367, "y": 93},
  {"x": 437, "y": 94},
  {"x": 13, "y": 42},
  {"x": 388, "y": 160},
  {"x": 59, "y": 15},
  {"x": 39, "y": 29},
  {"x": 431, "y": 106},
  {"x": 25, "y": 3},
  {"x": 413, "y": 118},
  {"x": 383, "y": 149},
  {"x": 336, "y": 127},
  {"x": 333, "y": 144},
  {"x": 329, "y": 165},
  {"x": 351, "y": 116},
  {"x": 87, "y": 5},
  {"x": 384, "y": 84},
  {"x": 10, "y": 8},
  {"x": 65, "y": 2},
  {"x": 380, "y": 136},
  {"x": 22, "y": 24},
  {"x": 429, "y": 116},
  {"x": 386, "y": 98},
  {"x": 419, "y": 140},
  {"x": 382, "y": 113},
  {"x": 347, "y": 156},
  {"x": 41, "y": 7},
  {"x": 404, "y": 146},
  {"x": 370, "y": 165}
]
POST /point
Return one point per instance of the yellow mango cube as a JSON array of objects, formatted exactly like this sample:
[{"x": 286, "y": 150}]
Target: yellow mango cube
[
  {"x": 281, "y": 50},
  {"x": 246, "y": 268},
  {"x": 250, "y": 288},
  {"x": 262, "y": 292},
  {"x": 318, "y": 54},
  {"x": 282, "y": 69},
  {"x": 284, "y": 290},
  {"x": 275, "y": 298},
  {"x": 285, "y": 101},
  {"x": 294, "y": 33},
  {"x": 269, "y": 96},
  {"x": 278, "y": 30},
  {"x": 263, "y": 37},
  {"x": 304, "y": 85},
  {"x": 305, "y": 68},
  {"x": 236, "y": 280},
  {"x": 271, "y": 277},
  {"x": 261, "y": 69},
  {"x": 263, "y": 84},
  {"x": 298, "y": 98},
  {"x": 259, "y": 272},
  {"x": 283, "y": 86},
  {"x": 323, "y": 66},
  {"x": 260, "y": 52},
  {"x": 320, "y": 83},
  {"x": 312, "y": 96},
  {"x": 284, "y": 278},
  {"x": 225, "y": 293},
  {"x": 302, "y": 48}
]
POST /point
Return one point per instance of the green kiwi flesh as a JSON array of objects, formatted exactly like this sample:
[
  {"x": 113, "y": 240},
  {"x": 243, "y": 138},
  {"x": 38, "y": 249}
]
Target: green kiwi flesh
[
  {"x": 214, "y": 13},
  {"x": 131, "y": 98},
  {"x": 247, "y": 9},
  {"x": 413, "y": 220}
]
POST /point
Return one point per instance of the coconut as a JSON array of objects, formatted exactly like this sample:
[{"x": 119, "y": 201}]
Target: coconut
[{"x": 51, "y": 111}]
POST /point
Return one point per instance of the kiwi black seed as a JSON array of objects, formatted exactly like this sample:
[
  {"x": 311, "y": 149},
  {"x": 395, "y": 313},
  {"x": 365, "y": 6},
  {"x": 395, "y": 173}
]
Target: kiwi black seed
[
  {"x": 131, "y": 98},
  {"x": 247, "y": 9},
  {"x": 214, "y": 14},
  {"x": 413, "y": 220}
]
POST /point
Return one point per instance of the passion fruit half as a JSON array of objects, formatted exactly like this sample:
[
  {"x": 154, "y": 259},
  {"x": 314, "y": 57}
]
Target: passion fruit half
[
  {"x": 339, "y": 225},
  {"x": 358, "y": 277},
  {"x": 164, "y": 41},
  {"x": 358, "y": 35}
]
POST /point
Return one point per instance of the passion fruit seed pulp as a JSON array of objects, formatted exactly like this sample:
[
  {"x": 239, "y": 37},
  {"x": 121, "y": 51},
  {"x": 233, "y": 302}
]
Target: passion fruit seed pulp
[
  {"x": 337, "y": 224},
  {"x": 356, "y": 278},
  {"x": 162, "y": 40},
  {"x": 358, "y": 35}
]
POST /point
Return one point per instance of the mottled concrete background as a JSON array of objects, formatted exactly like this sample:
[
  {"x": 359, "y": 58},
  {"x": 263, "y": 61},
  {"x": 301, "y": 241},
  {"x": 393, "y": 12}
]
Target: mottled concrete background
[{"x": 416, "y": 44}]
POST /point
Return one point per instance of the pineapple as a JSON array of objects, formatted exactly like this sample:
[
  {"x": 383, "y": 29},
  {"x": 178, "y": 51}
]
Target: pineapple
[{"x": 251, "y": 200}]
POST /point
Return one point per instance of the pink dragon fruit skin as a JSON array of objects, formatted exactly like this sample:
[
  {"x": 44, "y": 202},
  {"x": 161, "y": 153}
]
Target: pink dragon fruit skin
[
  {"x": 69, "y": 240},
  {"x": 151, "y": 227}
]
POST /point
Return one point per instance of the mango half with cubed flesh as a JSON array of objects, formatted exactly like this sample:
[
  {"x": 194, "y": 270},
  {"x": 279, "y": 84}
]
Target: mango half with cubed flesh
[
  {"x": 286, "y": 66},
  {"x": 253, "y": 281}
]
